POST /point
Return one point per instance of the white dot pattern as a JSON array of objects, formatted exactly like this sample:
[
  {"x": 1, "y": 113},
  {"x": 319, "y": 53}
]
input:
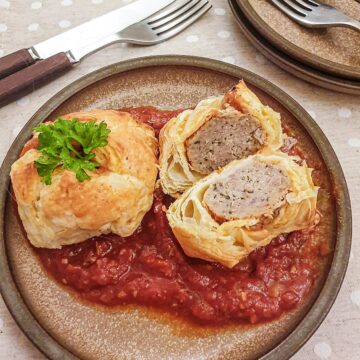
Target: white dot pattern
[
  {"x": 354, "y": 142},
  {"x": 229, "y": 59},
  {"x": 23, "y": 101},
  {"x": 16, "y": 130},
  {"x": 344, "y": 112},
  {"x": 4, "y": 4},
  {"x": 322, "y": 350},
  {"x": 223, "y": 34},
  {"x": 36, "y": 5},
  {"x": 64, "y": 24},
  {"x": 219, "y": 11},
  {"x": 66, "y": 2},
  {"x": 355, "y": 297},
  {"x": 192, "y": 38},
  {"x": 312, "y": 114},
  {"x": 216, "y": 36},
  {"x": 33, "y": 27}
]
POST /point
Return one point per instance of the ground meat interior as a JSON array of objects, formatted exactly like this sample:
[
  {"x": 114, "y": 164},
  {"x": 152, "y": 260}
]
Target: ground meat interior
[
  {"x": 257, "y": 189},
  {"x": 229, "y": 136},
  {"x": 150, "y": 269}
]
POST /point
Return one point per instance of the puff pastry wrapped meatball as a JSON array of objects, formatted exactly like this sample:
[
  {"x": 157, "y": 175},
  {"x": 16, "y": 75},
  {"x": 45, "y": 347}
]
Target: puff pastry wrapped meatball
[
  {"x": 217, "y": 131},
  {"x": 114, "y": 199},
  {"x": 231, "y": 212}
]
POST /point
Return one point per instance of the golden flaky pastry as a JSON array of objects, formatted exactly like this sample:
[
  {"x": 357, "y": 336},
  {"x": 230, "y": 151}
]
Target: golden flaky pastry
[
  {"x": 115, "y": 199},
  {"x": 231, "y": 212},
  {"x": 217, "y": 131}
]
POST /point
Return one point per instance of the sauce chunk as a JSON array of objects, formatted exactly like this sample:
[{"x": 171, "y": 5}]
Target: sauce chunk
[{"x": 150, "y": 268}]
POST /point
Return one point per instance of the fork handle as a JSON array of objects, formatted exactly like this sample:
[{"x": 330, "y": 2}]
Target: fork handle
[{"x": 353, "y": 24}]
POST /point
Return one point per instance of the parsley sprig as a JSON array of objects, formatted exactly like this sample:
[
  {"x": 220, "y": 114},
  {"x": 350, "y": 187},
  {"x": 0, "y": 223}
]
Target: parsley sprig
[{"x": 69, "y": 144}]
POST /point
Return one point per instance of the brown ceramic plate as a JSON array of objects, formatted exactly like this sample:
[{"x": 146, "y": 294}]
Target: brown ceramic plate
[
  {"x": 62, "y": 327},
  {"x": 287, "y": 63},
  {"x": 298, "y": 42}
]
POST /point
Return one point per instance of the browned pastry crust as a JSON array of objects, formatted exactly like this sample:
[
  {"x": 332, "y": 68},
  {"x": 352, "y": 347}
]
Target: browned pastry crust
[{"x": 115, "y": 199}]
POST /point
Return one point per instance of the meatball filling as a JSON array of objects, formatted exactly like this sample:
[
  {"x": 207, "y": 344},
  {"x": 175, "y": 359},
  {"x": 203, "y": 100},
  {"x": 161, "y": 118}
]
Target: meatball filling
[
  {"x": 254, "y": 190},
  {"x": 229, "y": 136}
]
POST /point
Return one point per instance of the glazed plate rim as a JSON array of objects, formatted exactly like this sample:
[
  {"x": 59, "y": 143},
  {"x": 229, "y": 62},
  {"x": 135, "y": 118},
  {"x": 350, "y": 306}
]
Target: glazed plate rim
[
  {"x": 289, "y": 64},
  {"x": 328, "y": 293},
  {"x": 304, "y": 56}
]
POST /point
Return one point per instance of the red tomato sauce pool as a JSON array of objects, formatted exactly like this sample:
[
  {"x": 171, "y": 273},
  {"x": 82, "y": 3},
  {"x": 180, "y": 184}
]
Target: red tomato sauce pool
[{"x": 150, "y": 268}]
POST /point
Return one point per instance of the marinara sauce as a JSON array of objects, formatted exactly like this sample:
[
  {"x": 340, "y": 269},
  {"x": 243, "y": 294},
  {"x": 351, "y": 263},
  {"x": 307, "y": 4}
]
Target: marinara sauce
[{"x": 150, "y": 268}]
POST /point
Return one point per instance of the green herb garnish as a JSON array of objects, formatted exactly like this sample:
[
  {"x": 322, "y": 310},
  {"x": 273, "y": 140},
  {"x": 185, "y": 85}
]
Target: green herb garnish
[{"x": 68, "y": 144}]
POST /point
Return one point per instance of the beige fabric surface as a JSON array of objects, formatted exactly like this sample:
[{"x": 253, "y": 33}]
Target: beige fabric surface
[{"x": 26, "y": 22}]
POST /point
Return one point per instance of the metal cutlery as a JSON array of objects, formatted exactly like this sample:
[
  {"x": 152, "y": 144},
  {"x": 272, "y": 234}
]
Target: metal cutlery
[
  {"x": 154, "y": 29},
  {"x": 27, "y": 68},
  {"x": 81, "y": 35},
  {"x": 313, "y": 14}
]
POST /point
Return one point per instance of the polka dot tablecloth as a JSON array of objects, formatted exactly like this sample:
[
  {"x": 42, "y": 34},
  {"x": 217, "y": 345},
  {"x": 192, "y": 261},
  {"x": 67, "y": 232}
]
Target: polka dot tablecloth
[{"x": 25, "y": 22}]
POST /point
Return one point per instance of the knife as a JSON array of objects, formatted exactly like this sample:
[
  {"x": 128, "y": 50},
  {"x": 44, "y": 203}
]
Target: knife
[{"x": 53, "y": 56}]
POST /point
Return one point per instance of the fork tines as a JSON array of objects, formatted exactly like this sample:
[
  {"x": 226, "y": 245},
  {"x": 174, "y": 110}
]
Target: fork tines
[
  {"x": 296, "y": 8},
  {"x": 314, "y": 14},
  {"x": 177, "y": 16}
]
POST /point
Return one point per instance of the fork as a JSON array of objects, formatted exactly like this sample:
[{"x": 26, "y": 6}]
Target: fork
[
  {"x": 154, "y": 29},
  {"x": 313, "y": 14}
]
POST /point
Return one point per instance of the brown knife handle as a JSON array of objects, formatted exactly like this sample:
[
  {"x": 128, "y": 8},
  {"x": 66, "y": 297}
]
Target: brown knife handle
[
  {"x": 14, "y": 62},
  {"x": 26, "y": 80}
]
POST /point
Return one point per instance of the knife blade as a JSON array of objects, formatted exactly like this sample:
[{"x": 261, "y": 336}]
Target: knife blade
[{"x": 96, "y": 29}]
